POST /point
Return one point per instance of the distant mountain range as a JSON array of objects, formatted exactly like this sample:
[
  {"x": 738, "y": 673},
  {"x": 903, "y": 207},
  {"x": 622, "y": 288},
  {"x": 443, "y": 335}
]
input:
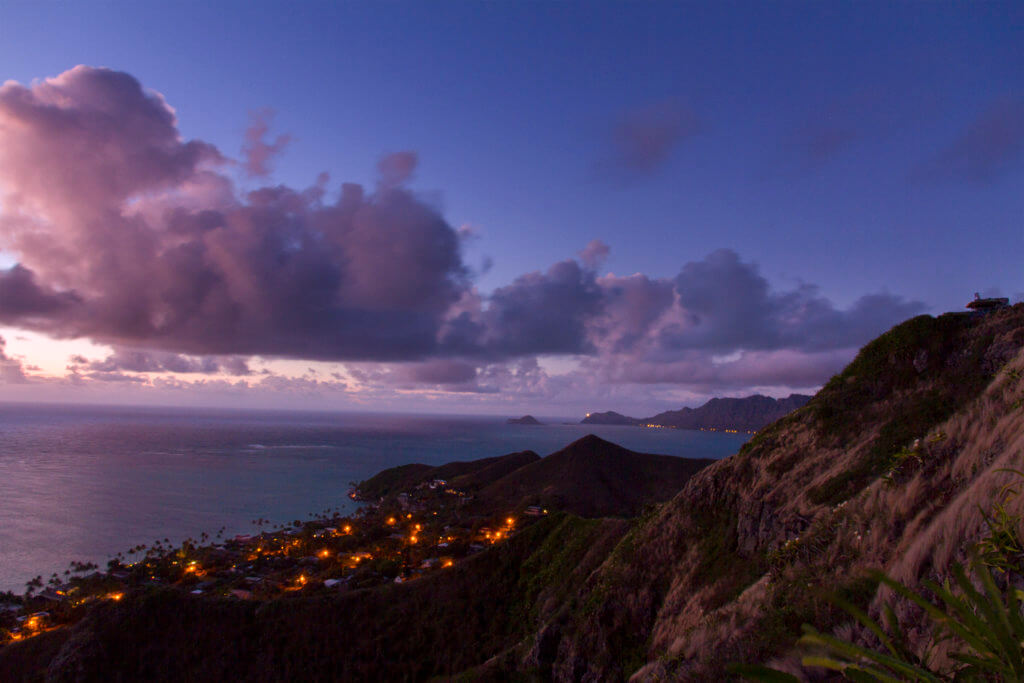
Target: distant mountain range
[{"x": 742, "y": 414}]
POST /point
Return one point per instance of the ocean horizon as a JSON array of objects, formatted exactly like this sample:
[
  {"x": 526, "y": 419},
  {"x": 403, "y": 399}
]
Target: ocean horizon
[{"x": 84, "y": 482}]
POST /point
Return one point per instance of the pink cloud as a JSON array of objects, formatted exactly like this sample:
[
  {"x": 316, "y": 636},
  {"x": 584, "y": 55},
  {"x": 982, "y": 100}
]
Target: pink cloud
[
  {"x": 130, "y": 235},
  {"x": 594, "y": 254},
  {"x": 397, "y": 169},
  {"x": 11, "y": 370},
  {"x": 257, "y": 151}
]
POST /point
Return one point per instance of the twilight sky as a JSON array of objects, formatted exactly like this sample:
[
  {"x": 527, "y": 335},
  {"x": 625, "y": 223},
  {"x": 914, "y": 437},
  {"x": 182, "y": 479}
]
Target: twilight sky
[{"x": 493, "y": 207}]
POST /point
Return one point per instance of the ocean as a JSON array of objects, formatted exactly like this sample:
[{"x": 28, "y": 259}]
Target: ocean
[{"x": 85, "y": 482}]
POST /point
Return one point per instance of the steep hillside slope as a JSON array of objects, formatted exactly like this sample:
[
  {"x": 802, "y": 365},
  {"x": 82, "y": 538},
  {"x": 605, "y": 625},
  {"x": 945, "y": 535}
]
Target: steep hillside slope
[
  {"x": 884, "y": 468},
  {"x": 592, "y": 477}
]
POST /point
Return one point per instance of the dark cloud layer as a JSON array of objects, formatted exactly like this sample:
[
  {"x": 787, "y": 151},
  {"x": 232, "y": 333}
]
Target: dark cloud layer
[
  {"x": 542, "y": 312},
  {"x": 131, "y": 236},
  {"x": 719, "y": 304}
]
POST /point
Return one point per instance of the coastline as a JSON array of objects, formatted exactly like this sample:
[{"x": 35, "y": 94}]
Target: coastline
[{"x": 96, "y": 484}]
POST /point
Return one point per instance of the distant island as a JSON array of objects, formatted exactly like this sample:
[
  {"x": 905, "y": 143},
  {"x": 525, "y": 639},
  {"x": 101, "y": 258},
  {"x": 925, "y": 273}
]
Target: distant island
[
  {"x": 524, "y": 420},
  {"x": 609, "y": 418},
  {"x": 721, "y": 414}
]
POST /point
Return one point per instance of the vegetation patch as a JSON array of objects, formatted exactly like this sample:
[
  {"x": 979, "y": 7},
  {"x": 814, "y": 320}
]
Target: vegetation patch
[{"x": 907, "y": 381}]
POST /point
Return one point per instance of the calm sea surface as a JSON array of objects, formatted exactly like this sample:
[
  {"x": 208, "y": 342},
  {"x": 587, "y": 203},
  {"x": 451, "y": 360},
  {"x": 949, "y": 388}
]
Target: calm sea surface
[{"x": 83, "y": 483}]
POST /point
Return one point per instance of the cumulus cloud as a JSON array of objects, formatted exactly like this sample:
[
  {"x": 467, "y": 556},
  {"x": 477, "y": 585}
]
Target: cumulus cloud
[
  {"x": 259, "y": 153},
  {"x": 128, "y": 234},
  {"x": 22, "y": 297},
  {"x": 521, "y": 377},
  {"x": 307, "y": 385},
  {"x": 643, "y": 139},
  {"x": 679, "y": 330},
  {"x": 11, "y": 370},
  {"x": 720, "y": 305},
  {"x": 594, "y": 254},
  {"x": 134, "y": 360},
  {"x": 542, "y": 313},
  {"x": 717, "y": 321},
  {"x": 397, "y": 169},
  {"x": 83, "y": 373}
]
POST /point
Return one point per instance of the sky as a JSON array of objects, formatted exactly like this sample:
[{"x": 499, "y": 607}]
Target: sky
[{"x": 493, "y": 207}]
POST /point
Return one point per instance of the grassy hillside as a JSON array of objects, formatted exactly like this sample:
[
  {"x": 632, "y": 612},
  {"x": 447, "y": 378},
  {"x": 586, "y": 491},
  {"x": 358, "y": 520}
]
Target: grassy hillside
[{"x": 885, "y": 468}]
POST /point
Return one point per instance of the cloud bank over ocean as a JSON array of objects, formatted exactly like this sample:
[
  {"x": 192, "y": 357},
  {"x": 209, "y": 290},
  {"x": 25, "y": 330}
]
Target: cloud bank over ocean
[{"x": 126, "y": 234}]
